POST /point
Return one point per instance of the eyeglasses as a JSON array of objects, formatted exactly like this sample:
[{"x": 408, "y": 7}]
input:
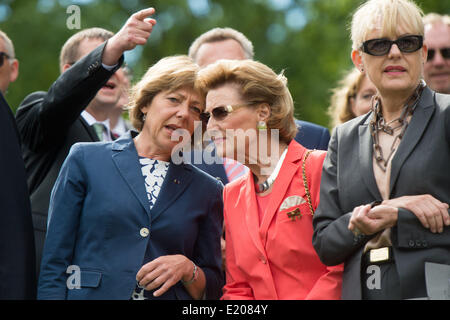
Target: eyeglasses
[
  {"x": 380, "y": 47},
  {"x": 445, "y": 53},
  {"x": 220, "y": 113},
  {"x": 2, "y": 57}
]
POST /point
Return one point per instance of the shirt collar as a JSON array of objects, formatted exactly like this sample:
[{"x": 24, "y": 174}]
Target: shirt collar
[{"x": 91, "y": 120}]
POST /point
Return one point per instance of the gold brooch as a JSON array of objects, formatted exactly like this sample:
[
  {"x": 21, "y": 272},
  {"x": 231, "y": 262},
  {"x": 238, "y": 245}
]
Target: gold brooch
[{"x": 294, "y": 214}]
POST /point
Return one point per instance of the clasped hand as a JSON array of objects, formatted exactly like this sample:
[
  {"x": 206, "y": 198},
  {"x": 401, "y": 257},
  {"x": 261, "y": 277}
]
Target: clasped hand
[{"x": 432, "y": 213}]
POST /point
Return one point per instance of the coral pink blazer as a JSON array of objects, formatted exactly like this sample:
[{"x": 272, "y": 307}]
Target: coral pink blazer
[{"x": 276, "y": 259}]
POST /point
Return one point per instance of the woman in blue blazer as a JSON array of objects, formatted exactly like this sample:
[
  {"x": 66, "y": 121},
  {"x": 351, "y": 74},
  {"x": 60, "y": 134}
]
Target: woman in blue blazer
[{"x": 125, "y": 221}]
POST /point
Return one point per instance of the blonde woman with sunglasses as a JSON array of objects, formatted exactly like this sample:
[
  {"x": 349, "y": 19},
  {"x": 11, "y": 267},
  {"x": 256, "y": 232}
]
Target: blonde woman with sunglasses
[
  {"x": 385, "y": 186},
  {"x": 268, "y": 211}
]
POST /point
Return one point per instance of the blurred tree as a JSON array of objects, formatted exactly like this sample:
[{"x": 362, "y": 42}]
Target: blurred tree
[{"x": 308, "y": 39}]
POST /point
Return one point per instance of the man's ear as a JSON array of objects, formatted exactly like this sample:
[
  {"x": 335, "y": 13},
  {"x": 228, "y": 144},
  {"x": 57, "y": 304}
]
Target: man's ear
[
  {"x": 264, "y": 112},
  {"x": 14, "y": 71},
  {"x": 65, "y": 67}
]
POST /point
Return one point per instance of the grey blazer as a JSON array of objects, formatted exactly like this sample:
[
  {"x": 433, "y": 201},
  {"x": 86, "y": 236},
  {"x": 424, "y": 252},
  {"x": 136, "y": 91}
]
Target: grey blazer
[{"x": 421, "y": 165}]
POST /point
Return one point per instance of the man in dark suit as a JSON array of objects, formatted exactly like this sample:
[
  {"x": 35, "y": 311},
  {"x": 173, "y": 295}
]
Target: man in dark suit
[
  {"x": 17, "y": 262},
  {"x": 75, "y": 109},
  {"x": 227, "y": 43}
]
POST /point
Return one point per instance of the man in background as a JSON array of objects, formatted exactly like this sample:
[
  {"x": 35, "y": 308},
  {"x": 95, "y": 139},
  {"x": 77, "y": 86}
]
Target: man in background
[
  {"x": 437, "y": 39},
  {"x": 17, "y": 257},
  {"x": 75, "y": 108}
]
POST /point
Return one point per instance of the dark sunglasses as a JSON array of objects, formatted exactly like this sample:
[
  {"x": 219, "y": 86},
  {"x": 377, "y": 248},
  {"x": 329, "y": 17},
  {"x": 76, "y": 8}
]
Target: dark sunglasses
[
  {"x": 220, "y": 113},
  {"x": 2, "y": 57},
  {"x": 380, "y": 47},
  {"x": 445, "y": 53}
]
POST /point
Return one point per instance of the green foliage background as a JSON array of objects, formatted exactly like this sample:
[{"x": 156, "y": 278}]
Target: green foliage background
[{"x": 313, "y": 51}]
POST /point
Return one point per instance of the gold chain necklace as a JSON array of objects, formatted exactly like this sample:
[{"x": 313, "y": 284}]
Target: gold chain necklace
[{"x": 378, "y": 124}]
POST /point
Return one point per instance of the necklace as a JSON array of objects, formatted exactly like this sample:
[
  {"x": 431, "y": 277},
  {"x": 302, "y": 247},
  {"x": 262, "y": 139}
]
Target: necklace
[
  {"x": 378, "y": 124},
  {"x": 261, "y": 187}
]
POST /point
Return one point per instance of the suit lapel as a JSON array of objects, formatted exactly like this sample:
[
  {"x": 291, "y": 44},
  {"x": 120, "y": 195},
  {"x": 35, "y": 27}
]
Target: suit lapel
[
  {"x": 126, "y": 159},
  {"x": 290, "y": 166},
  {"x": 92, "y": 134},
  {"x": 416, "y": 128},
  {"x": 251, "y": 212},
  {"x": 177, "y": 180},
  {"x": 365, "y": 158}
]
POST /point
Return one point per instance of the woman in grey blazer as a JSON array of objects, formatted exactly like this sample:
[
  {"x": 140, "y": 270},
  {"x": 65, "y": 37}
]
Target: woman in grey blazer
[{"x": 385, "y": 184}]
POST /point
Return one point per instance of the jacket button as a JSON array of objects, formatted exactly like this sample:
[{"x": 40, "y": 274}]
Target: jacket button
[
  {"x": 418, "y": 243},
  {"x": 144, "y": 232},
  {"x": 424, "y": 243},
  {"x": 411, "y": 243},
  {"x": 263, "y": 260}
]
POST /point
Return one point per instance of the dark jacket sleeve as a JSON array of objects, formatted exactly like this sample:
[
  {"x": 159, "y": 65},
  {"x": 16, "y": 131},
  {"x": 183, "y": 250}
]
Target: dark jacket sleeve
[
  {"x": 411, "y": 234},
  {"x": 332, "y": 239},
  {"x": 17, "y": 257},
  {"x": 208, "y": 244},
  {"x": 45, "y": 117}
]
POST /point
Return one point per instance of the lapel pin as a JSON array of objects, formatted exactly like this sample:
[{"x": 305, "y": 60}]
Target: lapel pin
[
  {"x": 294, "y": 214},
  {"x": 176, "y": 181}
]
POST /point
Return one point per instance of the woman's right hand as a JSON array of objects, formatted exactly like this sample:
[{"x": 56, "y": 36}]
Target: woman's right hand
[{"x": 432, "y": 213}]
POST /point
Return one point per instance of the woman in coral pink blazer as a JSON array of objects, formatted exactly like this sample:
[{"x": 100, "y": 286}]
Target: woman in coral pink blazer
[{"x": 268, "y": 212}]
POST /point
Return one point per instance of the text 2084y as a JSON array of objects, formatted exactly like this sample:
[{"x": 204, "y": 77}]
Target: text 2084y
[{"x": 244, "y": 309}]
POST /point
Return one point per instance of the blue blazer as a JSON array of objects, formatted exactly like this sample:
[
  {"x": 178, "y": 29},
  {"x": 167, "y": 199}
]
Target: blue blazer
[
  {"x": 309, "y": 135},
  {"x": 312, "y": 136},
  {"x": 98, "y": 208}
]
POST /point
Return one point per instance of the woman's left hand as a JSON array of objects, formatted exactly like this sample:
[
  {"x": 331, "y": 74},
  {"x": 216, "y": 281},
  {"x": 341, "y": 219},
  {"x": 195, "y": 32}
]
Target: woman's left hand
[
  {"x": 164, "y": 272},
  {"x": 372, "y": 220}
]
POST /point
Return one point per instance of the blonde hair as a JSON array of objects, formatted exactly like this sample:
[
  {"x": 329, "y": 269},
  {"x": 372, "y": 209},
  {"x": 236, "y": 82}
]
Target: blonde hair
[
  {"x": 258, "y": 84},
  {"x": 222, "y": 34},
  {"x": 386, "y": 15},
  {"x": 69, "y": 52},
  {"x": 9, "y": 47},
  {"x": 340, "y": 109},
  {"x": 168, "y": 74}
]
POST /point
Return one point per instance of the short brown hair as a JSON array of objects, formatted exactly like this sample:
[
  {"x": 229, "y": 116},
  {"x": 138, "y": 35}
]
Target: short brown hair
[
  {"x": 259, "y": 84},
  {"x": 168, "y": 74},
  {"x": 69, "y": 51},
  {"x": 222, "y": 34}
]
